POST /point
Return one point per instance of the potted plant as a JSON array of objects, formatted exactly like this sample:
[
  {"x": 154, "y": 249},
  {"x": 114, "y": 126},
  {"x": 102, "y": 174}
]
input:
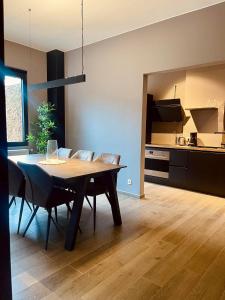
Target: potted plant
[{"x": 42, "y": 130}]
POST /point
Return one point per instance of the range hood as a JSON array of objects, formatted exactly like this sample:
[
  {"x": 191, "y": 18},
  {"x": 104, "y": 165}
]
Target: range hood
[{"x": 169, "y": 110}]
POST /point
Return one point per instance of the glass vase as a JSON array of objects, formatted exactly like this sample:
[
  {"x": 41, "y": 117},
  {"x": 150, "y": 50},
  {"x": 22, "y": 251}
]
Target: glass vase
[{"x": 52, "y": 151}]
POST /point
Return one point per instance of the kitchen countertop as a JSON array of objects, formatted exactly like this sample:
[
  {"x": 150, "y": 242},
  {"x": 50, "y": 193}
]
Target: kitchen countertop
[{"x": 201, "y": 148}]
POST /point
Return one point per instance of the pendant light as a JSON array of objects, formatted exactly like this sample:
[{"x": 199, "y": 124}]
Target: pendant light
[{"x": 70, "y": 80}]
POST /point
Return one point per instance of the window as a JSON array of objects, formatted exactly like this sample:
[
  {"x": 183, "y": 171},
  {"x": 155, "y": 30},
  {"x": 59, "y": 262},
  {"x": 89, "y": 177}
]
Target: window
[{"x": 16, "y": 107}]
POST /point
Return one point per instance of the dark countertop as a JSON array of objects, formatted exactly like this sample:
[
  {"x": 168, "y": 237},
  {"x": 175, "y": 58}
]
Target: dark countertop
[{"x": 201, "y": 148}]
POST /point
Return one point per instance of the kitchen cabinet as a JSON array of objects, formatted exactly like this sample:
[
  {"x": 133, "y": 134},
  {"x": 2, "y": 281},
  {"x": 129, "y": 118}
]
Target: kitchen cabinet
[
  {"x": 196, "y": 170},
  {"x": 206, "y": 172},
  {"x": 178, "y": 176},
  {"x": 178, "y": 158},
  {"x": 178, "y": 168}
]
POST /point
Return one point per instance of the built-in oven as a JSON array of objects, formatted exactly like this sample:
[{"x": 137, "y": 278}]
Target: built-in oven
[{"x": 157, "y": 163}]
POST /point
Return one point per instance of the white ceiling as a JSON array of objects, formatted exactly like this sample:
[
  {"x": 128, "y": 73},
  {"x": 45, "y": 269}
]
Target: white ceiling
[{"x": 56, "y": 24}]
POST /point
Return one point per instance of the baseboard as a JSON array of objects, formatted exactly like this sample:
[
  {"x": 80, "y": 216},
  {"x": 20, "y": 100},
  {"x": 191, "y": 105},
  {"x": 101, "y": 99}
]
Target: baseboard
[{"x": 131, "y": 194}]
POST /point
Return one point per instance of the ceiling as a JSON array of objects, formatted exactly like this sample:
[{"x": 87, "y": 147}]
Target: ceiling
[{"x": 56, "y": 24}]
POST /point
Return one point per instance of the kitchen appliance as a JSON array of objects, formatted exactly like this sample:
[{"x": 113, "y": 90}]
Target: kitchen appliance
[
  {"x": 193, "y": 141},
  {"x": 181, "y": 141},
  {"x": 169, "y": 110},
  {"x": 157, "y": 163}
]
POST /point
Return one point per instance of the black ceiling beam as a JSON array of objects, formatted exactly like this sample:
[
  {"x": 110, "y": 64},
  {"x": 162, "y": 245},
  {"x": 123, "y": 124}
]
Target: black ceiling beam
[
  {"x": 5, "y": 265},
  {"x": 57, "y": 83}
]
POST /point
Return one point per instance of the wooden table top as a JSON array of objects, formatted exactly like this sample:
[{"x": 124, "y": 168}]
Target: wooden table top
[{"x": 72, "y": 169}]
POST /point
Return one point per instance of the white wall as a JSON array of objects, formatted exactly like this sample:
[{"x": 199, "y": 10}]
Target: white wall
[{"x": 105, "y": 113}]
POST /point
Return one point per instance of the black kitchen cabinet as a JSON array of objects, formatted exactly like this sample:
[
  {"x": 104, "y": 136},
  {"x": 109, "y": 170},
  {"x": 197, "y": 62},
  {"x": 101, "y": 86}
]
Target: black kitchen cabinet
[
  {"x": 206, "y": 172},
  {"x": 178, "y": 176},
  {"x": 178, "y": 158},
  {"x": 178, "y": 168},
  {"x": 196, "y": 170}
]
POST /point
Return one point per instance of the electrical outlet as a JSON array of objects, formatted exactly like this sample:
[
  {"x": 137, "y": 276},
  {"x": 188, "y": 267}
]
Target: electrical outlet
[{"x": 129, "y": 181}]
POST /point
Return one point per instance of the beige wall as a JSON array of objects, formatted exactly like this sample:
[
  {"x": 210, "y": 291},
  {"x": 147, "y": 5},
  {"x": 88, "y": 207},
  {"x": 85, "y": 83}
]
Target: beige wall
[
  {"x": 35, "y": 63},
  {"x": 201, "y": 87},
  {"x": 162, "y": 85},
  {"x": 105, "y": 113}
]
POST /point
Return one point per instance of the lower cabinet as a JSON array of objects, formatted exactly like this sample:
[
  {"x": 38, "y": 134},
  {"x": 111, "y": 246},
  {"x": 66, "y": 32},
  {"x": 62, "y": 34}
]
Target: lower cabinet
[
  {"x": 178, "y": 168},
  {"x": 201, "y": 171},
  {"x": 178, "y": 176},
  {"x": 206, "y": 172}
]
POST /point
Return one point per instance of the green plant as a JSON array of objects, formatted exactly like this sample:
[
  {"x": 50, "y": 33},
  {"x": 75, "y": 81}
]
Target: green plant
[{"x": 42, "y": 130}]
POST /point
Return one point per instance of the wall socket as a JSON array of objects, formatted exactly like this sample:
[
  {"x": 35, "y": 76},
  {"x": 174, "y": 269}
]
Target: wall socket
[{"x": 129, "y": 181}]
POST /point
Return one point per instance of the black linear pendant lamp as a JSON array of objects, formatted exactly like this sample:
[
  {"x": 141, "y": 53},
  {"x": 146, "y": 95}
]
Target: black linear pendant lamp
[{"x": 70, "y": 80}]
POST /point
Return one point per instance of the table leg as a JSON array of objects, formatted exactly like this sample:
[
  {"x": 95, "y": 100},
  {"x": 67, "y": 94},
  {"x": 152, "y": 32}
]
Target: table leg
[
  {"x": 73, "y": 225},
  {"x": 113, "y": 198}
]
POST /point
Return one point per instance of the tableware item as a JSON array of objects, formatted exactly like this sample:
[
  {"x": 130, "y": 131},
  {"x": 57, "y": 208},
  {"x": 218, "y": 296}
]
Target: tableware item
[{"x": 52, "y": 151}]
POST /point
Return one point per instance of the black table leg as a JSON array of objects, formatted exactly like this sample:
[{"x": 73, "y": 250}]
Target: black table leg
[
  {"x": 110, "y": 180},
  {"x": 73, "y": 225}
]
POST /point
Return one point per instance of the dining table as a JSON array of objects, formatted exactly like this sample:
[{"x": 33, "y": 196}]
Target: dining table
[{"x": 75, "y": 174}]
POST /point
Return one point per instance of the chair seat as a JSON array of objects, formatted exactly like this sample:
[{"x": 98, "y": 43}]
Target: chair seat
[
  {"x": 94, "y": 189},
  {"x": 60, "y": 196}
]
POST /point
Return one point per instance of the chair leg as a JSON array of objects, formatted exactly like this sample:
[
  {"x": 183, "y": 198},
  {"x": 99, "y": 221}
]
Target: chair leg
[
  {"x": 88, "y": 201},
  {"x": 94, "y": 204},
  {"x": 11, "y": 201},
  {"x": 68, "y": 207},
  {"x": 107, "y": 196},
  {"x": 48, "y": 227},
  {"x": 56, "y": 224},
  {"x": 20, "y": 215},
  {"x": 69, "y": 210},
  {"x": 28, "y": 204},
  {"x": 56, "y": 214},
  {"x": 31, "y": 219}
]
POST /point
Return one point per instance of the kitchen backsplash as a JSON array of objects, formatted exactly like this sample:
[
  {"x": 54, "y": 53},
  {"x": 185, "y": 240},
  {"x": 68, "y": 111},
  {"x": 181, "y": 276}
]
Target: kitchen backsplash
[
  {"x": 204, "y": 139},
  {"x": 202, "y": 87}
]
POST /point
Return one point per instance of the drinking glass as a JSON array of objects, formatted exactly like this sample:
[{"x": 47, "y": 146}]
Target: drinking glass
[{"x": 52, "y": 151}]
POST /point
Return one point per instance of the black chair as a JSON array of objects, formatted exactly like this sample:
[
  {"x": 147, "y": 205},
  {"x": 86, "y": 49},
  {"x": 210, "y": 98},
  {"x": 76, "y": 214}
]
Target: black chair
[
  {"x": 84, "y": 155},
  {"x": 95, "y": 188},
  {"x": 17, "y": 187},
  {"x": 40, "y": 191}
]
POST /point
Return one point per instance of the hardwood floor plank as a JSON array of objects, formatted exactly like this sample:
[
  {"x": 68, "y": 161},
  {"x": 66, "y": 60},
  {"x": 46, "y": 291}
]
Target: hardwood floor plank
[
  {"x": 212, "y": 283},
  {"x": 171, "y": 246},
  {"x": 61, "y": 277},
  {"x": 182, "y": 253},
  {"x": 36, "y": 291},
  {"x": 129, "y": 273},
  {"x": 178, "y": 287},
  {"x": 208, "y": 252},
  {"x": 142, "y": 289}
]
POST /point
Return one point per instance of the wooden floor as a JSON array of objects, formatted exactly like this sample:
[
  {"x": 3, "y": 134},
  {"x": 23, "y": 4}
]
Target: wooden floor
[{"x": 171, "y": 246}]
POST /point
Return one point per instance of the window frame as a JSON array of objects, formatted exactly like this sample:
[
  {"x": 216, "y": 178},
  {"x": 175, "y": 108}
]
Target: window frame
[{"x": 22, "y": 74}]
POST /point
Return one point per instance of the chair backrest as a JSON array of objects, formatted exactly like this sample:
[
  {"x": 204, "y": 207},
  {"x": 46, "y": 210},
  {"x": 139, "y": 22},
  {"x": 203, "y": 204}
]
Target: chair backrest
[
  {"x": 16, "y": 180},
  {"x": 83, "y": 155},
  {"x": 108, "y": 158},
  {"x": 64, "y": 153},
  {"x": 39, "y": 184}
]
